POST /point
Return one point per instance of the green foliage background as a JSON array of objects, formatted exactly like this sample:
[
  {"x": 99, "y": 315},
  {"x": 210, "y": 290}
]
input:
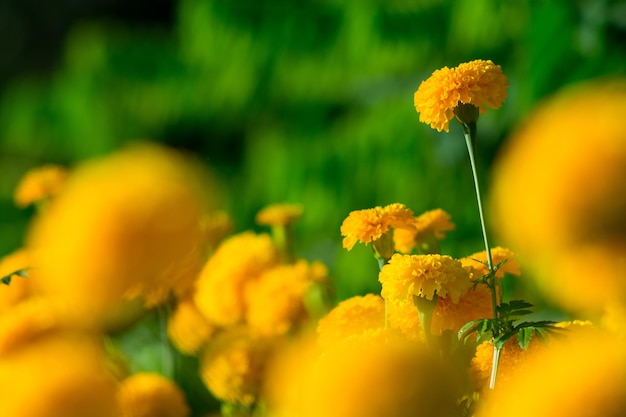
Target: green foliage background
[{"x": 307, "y": 102}]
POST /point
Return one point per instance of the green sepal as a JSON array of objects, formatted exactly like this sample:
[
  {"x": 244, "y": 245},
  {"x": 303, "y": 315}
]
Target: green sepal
[{"x": 6, "y": 280}]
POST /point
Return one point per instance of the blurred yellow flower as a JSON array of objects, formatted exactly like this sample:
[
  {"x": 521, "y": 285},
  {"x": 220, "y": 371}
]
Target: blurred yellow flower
[
  {"x": 60, "y": 374},
  {"x": 27, "y": 321},
  {"x": 279, "y": 214},
  {"x": 233, "y": 365},
  {"x": 351, "y": 317},
  {"x": 559, "y": 195},
  {"x": 479, "y": 83},
  {"x": 124, "y": 225},
  {"x": 39, "y": 184},
  {"x": 275, "y": 302},
  {"x": 477, "y": 262},
  {"x": 239, "y": 260},
  {"x": 366, "y": 376},
  {"x": 425, "y": 276},
  {"x": 368, "y": 225},
  {"x": 583, "y": 377},
  {"x": 427, "y": 228},
  {"x": 187, "y": 328},
  {"x": 403, "y": 317},
  {"x": 151, "y": 395}
]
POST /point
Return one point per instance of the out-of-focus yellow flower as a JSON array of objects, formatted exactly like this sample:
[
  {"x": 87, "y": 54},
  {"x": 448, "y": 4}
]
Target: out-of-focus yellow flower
[
  {"x": 216, "y": 226},
  {"x": 429, "y": 227},
  {"x": 477, "y": 262},
  {"x": 479, "y": 83},
  {"x": 39, "y": 184},
  {"x": 125, "y": 225},
  {"x": 559, "y": 195},
  {"x": 61, "y": 374},
  {"x": 26, "y": 321},
  {"x": 279, "y": 214},
  {"x": 408, "y": 381},
  {"x": 351, "y": 317},
  {"x": 20, "y": 287},
  {"x": 423, "y": 276},
  {"x": 239, "y": 260},
  {"x": 275, "y": 302},
  {"x": 187, "y": 328},
  {"x": 404, "y": 318},
  {"x": 233, "y": 365},
  {"x": 580, "y": 378},
  {"x": 151, "y": 395},
  {"x": 369, "y": 225}
]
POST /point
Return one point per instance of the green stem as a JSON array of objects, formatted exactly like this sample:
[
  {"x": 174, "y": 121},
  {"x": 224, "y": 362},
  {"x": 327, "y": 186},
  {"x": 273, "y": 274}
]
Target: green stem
[
  {"x": 469, "y": 131},
  {"x": 167, "y": 355}
]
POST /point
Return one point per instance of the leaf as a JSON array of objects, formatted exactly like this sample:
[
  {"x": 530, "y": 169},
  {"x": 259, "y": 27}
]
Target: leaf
[
  {"x": 468, "y": 328},
  {"x": 20, "y": 272},
  {"x": 524, "y": 336},
  {"x": 6, "y": 280}
]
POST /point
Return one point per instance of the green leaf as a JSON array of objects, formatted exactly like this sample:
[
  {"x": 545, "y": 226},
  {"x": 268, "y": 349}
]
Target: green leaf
[
  {"x": 6, "y": 280},
  {"x": 524, "y": 336},
  {"x": 468, "y": 328},
  {"x": 20, "y": 272}
]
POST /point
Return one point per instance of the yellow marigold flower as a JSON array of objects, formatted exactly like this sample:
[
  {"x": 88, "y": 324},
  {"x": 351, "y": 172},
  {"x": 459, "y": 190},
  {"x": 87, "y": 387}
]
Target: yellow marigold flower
[
  {"x": 20, "y": 287},
  {"x": 369, "y": 225},
  {"x": 479, "y": 83},
  {"x": 275, "y": 302},
  {"x": 567, "y": 222},
  {"x": 125, "y": 225},
  {"x": 409, "y": 381},
  {"x": 423, "y": 276},
  {"x": 279, "y": 214},
  {"x": 151, "y": 395},
  {"x": 404, "y": 318},
  {"x": 233, "y": 365},
  {"x": 39, "y": 184},
  {"x": 513, "y": 360},
  {"x": 216, "y": 226},
  {"x": 239, "y": 260},
  {"x": 428, "y": 228},
  {"x": 478, "y": 262},
  {"x": 584, "y": 377},
  {"x": 474, "y": 304},
  {"x": 61, "y": 374},
  {"x": 187, "y": 328},
  {"x": 351, "y": 317}
]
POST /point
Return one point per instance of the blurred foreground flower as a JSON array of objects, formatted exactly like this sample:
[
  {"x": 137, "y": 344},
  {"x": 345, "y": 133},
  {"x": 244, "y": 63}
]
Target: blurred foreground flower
[
  {"x": 559, "y": 195},
  {"x": 39, "y": 184},
  {"x": 479, "y": 83},
  {"x": 372, "y": 375},
  {"x": 125, "y": 226},
  {"x": 151, "y": 395}
]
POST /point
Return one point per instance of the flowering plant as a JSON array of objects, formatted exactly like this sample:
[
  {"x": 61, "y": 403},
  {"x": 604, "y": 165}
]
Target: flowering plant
[{"x": 138, "y": 235}]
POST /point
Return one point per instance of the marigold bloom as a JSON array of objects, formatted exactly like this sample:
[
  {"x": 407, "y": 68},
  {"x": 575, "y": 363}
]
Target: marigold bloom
[
  {"x": 39, "y": 184},
  {"x": 409, "y": 381},
  {"x": 26, "y": 321},
  {"x": 427, "y": 227},
  {"x": 423, "y": 276},
  {"x": 368, "y": 225},
  {"x": 581, "y": 378},
  {"x": 124, "y": 225},
  {"x": 60, "y": 374},
  {"x": 151, "y": 395},
  {"x": 187, "y": 328},
  {"x": 403, "y": 317},
  {"x": 279, "y": 214},
  {"x": 239, "y": 260},
  {"x": 275, "y": 302},
  {"x": 474, "y": 304},
  {"x": 566, "y": 222},
  {"x": 351, "y": 317},
  {"x": 478, "y": 262},
  {"x": 233, "y": 365},
  {"x": 480, "y": 83}
]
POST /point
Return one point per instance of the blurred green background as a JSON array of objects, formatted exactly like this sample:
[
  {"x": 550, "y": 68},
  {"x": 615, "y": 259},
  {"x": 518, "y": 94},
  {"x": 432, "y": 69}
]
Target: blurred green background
[{"x": 306, "y": 102}]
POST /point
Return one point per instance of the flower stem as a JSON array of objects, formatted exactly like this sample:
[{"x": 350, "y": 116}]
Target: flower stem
[
  {"x": 469, "y": 131},
  {"x": 167, "y": 355}
]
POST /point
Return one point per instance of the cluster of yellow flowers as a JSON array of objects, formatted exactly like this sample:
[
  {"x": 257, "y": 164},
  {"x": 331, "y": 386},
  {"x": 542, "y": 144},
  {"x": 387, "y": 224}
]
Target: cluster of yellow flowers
[{"x": 126, "y": 235}]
